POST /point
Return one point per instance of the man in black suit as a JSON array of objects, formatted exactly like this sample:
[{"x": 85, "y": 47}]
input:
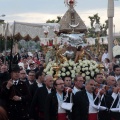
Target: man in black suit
[
  {"x": 83, "y": 100},
  {"x": 39, "y": 82},
  {"x": 38, "y": 102},
  {"x": 116, "y": 103},
  {"x": 31, "y": 78},
  {"x": 16, "y": 95},
  {"x": 23, "y": 76},
  {"x": 53, "y": 108},
  {"x": 78, "y": 84}
]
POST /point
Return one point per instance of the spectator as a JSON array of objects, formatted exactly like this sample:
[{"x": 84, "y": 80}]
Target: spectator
[
  {"x": 105, "y": 55},
  {"x": 16, "y": 95},
  {"x": 4, "y": 75},
  {"x": 116, "y": 69},
  {"x": 68, "y": 82}
]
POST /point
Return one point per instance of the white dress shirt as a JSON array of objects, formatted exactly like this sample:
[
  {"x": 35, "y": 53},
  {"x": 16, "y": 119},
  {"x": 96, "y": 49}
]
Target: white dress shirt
[
  {"x": 91, "y": 102},
  {"x": 60, "y": 101},
  {"x": 15, "y": 82},
  {"x": 39, "y": 84},
  {"x": 114, "y": 96},
  {"x": 117, "y": 77},
  {"x": 49, "y": 90},
  {"x": 75, "y": 90},
  {"x": 31, "y": 82}
]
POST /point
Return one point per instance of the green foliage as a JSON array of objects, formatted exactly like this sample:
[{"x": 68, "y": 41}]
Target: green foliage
[
  {"x": 2, "y": 44},
  {"x": 54, "y": 21},
  {"x": 103, "y": 27}
]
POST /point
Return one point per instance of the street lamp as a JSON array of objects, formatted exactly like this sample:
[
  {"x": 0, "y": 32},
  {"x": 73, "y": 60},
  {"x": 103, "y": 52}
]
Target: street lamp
[{"x": 110, "y": 27}]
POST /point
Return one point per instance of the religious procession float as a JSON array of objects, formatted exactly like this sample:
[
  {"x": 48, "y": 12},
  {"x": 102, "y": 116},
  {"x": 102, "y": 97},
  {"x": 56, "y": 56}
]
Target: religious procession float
[{"x": 72, "y": 56}]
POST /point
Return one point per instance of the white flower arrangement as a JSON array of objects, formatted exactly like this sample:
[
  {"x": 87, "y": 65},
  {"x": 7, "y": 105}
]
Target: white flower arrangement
[{"x": 87, "y": 68}]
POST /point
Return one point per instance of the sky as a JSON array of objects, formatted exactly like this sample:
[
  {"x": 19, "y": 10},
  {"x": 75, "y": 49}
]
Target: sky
[{"x": 39, "y": 11}]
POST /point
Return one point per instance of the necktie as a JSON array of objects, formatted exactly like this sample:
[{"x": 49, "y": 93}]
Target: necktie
[{"x": 15, "y": 83}]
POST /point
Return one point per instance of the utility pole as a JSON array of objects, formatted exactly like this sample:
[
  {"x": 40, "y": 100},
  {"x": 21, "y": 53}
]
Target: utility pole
[{"x": 110, "y": 27}]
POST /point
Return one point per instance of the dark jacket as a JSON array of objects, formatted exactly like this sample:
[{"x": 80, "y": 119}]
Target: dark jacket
[
  {"x": 38, "y": 102},
  {"x": 17, "y": 110},
  {"x": 4, "y": 77},
  {"x": 51, "y": 106},
  {"x": 106, "y": 102},
  {"x": 81, "y": 105},
  {"x": 115, "y": 115},
  {"x": 34, "y": 87}
]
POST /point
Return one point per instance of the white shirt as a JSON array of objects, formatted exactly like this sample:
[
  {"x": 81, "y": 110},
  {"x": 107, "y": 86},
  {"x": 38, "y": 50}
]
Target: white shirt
[
  {"x": 39, "y": 84},
  {"x": 75, "y": 90},
  {"x": 105, "y": 55},
  {"x": 117, "y": 77},
  {"x": 49, "y": 90},
  {"x": 91, "y": 102},
  {"x": 15, "y": 82},
  {"x": 60, "y": 101},
  {"x": 106, "y": 65},
  {"x": 31, "y": 82}
]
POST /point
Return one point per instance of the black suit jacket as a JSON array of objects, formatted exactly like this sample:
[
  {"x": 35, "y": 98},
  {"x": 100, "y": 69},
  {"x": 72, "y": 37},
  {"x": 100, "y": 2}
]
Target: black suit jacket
[
  {"x": 34, "y": 87},
  {"x": 17, "y": 110},
  {"x": 81, "y": 105},
  {"x": 51, "y": 106},
  {"x": 115, "y": 115},
  {"x": 38, "y": 102},
  {"x": 105, "y": 114}
]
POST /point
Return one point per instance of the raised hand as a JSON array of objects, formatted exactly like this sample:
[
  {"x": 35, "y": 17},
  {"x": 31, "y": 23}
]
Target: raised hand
[{"x": 9, "y": 84}]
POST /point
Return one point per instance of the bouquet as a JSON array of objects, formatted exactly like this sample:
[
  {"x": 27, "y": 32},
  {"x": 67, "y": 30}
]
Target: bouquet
[{"x": 87, "y": 68}]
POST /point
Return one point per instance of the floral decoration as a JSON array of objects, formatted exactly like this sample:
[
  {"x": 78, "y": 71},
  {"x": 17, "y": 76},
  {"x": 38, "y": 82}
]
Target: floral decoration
[{"x": 87, "y": 68}]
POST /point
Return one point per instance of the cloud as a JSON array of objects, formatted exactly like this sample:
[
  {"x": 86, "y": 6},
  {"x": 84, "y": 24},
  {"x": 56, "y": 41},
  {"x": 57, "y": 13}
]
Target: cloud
[
  {"x": 102, "y": 13},
  {"x": 42, "y": 18},
  {"x": 32, "y": 17}
]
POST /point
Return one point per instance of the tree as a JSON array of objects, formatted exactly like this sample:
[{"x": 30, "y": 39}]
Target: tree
[
  {"x": 2, "y": 44},
  {"x": 103, "y": 27},
  {"x": 54, "y": 21}
]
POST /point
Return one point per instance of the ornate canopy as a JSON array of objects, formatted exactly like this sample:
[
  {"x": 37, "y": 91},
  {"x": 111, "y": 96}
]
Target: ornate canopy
[{"x": 27, "y": 31}]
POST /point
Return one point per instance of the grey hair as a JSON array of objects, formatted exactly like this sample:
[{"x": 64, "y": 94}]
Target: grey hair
[
  {"x": 109, "y": 77},
  {"x": 88, "y": 81},
  {"x": 46, "y": 77}
]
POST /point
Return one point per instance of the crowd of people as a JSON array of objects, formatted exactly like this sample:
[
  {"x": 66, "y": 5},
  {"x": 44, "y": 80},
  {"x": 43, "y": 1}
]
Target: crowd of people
[{"x": 27, "y": 93}]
